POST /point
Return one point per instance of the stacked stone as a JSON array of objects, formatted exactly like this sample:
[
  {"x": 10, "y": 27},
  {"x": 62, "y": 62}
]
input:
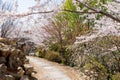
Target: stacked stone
[{"x": 13, "y": 62}]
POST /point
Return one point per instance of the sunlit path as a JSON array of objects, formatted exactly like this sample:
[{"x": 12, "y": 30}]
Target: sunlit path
[{"x": 47, "y": 71}]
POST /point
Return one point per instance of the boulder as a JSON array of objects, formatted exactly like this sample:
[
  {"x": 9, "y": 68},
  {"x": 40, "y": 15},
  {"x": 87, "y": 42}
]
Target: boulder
[
  {"x": 25, "y": 77},
  {"x": 13, "y": 62},
  {"x": 2, "y": 60},
  {"x": 28, "y": 69},
  {"x": 26, "y": 61},
  {"x": 20, "y": 71},
  {"x": 7, "y": 77},
  {"x": 4, "y": 50},
  {"x": 3, "y": 68}
]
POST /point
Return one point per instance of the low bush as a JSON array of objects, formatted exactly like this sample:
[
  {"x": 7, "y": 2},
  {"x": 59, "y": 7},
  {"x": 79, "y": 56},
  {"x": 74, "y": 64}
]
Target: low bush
[
  {"x": 55, "y": 47},
  {"x": 116, "y": 76},
  {"x": 41, "y": 53},
  {"x": 53, "y": 56},
  {"x": 100, "y": 56}
]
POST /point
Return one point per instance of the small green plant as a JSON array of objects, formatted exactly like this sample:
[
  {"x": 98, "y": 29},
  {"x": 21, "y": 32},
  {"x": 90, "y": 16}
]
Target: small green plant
[
  {"x": 41, "y": 53},
  {"x": 116, "y": 76},
  {"x": 54, "y": 56},
  {"x": 55, "y": 47}
]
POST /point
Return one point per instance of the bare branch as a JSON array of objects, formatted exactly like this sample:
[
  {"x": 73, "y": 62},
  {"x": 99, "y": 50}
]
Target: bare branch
[
  {"x": 80, "y": 12},
  {"x": 25, "y": 14},
  {"x": 117, "y": 1}
]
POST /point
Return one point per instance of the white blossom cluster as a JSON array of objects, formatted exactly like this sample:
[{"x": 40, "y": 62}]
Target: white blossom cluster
[{"x": 104, "y": 26}]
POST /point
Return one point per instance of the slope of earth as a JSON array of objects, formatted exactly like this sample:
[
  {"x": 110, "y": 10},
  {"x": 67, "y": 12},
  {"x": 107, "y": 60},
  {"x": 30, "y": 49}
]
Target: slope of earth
[{"x": 47, "y": 70}]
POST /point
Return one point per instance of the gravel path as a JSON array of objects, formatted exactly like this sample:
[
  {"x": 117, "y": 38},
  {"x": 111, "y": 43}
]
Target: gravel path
[{"x": 51, "y": 71}]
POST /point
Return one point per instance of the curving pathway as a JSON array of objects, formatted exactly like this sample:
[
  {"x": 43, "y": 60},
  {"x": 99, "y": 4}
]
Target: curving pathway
[{"x": 47, "y": 70}]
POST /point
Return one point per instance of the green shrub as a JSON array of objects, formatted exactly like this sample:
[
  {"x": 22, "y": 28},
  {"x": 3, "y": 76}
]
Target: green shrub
[
  {"x": 55, "y": 47},
  {"x": 66, "y": 55},
  {"x": 100, "y": 55},
  {"x": 53, "y": 56},
  {"x": 116, "y": 76},
  {"x": 41, "y": 53}
]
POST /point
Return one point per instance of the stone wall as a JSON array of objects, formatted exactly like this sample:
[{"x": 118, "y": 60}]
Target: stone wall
[{"x": 13, "y": 62}]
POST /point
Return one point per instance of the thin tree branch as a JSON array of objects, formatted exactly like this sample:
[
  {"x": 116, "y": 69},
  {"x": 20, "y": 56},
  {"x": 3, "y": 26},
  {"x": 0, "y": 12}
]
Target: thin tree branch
[
  {"x": 99, "y": 11},
  {"x": 35, "y": 13},
  {"x": 25, "y": 14},
  {"x": 116, "y": 1},
  {"x": 80, "y": 12}
]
